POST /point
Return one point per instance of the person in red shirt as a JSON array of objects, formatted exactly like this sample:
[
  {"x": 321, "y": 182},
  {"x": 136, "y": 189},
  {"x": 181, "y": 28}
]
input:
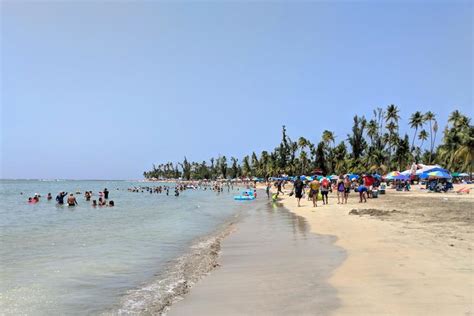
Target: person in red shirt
[
  {"x": 325, "y": 187},
  {"x": 368, "y": 183}
]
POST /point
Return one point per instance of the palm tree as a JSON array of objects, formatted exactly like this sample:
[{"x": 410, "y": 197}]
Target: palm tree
[
  {"x": 422, "y": 136},
  {"x": 328, "y": 137},
  {"x": 235, "y": 167},
  {"x": 391, "y": 114},
  {"x": 402, "y": 154},
  {"x": 302, "y": 142},
  {"x": 304, "y": 161},
  {"x": 455, "y": 118},
  {"x": 416, "y": 121},
  {"x": 246, "y": 169},
  {"x": 391, "y": 119},
  {"x": 465, "y": 152},
  {"x": 372, "y": 130},
  {"x": 356, "y": 139},
  {"x": 430, "y": 117}
]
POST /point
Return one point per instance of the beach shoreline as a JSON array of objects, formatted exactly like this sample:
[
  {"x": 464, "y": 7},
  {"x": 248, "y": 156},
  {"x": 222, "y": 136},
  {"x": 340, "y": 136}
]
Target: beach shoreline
[
  {"x": 403, "y": 259},
  {"x": 270, "y": 265}
]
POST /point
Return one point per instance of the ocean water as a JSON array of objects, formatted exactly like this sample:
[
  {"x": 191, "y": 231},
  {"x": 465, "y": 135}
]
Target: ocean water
[{"x": 60, "y": 260}]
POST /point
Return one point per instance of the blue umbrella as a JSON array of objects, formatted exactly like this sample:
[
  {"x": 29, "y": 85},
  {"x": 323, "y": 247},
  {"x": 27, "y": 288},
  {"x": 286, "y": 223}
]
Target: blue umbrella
[
  {"x": 401, "y": 177},
  {"x": 353, "y": 176},
  {"x": 436, "y": 175}
]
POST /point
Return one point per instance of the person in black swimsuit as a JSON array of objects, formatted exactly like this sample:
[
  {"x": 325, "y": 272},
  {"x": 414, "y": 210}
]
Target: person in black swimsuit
[
  {"x": 60, "y": 197},
  {"x": 298, "y": 186}
]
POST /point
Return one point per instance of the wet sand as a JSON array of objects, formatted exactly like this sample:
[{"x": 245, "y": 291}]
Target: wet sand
[
  {"x": 271, "y": 265},
  {"x": 408, "y": 253}
]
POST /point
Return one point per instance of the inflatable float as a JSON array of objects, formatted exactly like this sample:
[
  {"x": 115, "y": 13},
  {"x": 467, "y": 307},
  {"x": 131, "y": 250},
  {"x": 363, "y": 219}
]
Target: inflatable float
[{"x": 245, "y": 196}]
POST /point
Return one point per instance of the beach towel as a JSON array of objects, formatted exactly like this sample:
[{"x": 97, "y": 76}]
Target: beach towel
[{"x": 464, "y": 190}]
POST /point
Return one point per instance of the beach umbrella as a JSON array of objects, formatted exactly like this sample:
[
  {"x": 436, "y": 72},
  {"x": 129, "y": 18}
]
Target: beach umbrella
[
  {"x": 436, "y": 175},
  {"x": 392, "y": 175},
  {"x": 427, "y": 169},
  {"x": 352, "y": 176},
  {"x": 401, "y": 177},
  {"x": 333, "y": 177}
]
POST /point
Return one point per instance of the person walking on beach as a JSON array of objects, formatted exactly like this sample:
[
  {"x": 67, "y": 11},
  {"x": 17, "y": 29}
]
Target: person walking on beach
[
  {"x": 267, "y": 189},
  {"x": 71, "y": 200},
  {"x": 340, "y": 191},
  {"x": 325, "y": 186},
  {"x": 298, "y": 187},
  {"x": 314, "y": 191},
  {"x": 347, "y": 189}
]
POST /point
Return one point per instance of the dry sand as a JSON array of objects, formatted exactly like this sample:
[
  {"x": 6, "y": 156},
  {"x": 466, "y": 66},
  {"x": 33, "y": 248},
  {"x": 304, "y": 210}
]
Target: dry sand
[{"x": 410, "y": 255}]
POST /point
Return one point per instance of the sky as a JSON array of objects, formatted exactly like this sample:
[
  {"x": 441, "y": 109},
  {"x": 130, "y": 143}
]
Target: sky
[{"x": 104, "y": 89}]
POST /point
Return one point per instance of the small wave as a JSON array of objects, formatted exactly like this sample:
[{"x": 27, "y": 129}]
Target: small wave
[{"x": 156, "y": 297}]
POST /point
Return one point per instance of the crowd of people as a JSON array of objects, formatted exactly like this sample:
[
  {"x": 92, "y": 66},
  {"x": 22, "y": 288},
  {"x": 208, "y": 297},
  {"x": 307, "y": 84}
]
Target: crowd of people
[
  {"x": 216, "y": 186},
  {"x": 366, "y": 186},
  {"x": 71, "y": 199}
]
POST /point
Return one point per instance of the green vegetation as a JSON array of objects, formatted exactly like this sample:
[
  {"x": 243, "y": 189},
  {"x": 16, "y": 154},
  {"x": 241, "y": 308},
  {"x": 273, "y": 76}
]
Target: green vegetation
[{"x": 374, "y": 145}]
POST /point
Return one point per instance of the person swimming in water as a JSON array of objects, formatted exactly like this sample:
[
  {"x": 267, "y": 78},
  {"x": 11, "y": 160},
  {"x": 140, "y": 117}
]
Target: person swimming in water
[
  {"x": 49, "y": 197},
  {"x": 94, "y": 203}
]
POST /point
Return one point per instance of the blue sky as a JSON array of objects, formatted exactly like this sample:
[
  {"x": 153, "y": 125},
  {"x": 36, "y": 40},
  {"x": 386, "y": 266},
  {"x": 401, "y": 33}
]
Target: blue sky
[{"x": 101, "y": 90}]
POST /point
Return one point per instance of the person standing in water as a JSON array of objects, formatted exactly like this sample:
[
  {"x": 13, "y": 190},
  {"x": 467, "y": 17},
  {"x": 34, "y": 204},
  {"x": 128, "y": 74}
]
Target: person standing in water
[
  {"x": 71, "y": 200},
  {"x": 60, "y": 197},
  {"x": 106, "y": 194},
  {"x": 49, "y": 197},
  {"x": 267, "y": 189}
]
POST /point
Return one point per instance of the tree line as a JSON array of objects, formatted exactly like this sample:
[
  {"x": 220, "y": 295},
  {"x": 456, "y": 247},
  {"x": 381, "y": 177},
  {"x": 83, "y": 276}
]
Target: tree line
[{"x": 374, "y": 145}]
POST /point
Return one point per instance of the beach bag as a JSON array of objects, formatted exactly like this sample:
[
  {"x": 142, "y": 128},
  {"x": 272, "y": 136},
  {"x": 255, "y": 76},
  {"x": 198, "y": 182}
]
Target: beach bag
[{"x": 320, "y": 196}]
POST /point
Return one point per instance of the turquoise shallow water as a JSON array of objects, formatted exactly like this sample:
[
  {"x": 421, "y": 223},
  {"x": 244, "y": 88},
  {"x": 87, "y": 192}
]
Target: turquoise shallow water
[{"x": 84, "y": 260}]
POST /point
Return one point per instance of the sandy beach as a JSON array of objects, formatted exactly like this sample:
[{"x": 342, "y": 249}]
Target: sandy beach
[
  {"x": 404, "y": 254},
  {"x": 409, "y": 254}
]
